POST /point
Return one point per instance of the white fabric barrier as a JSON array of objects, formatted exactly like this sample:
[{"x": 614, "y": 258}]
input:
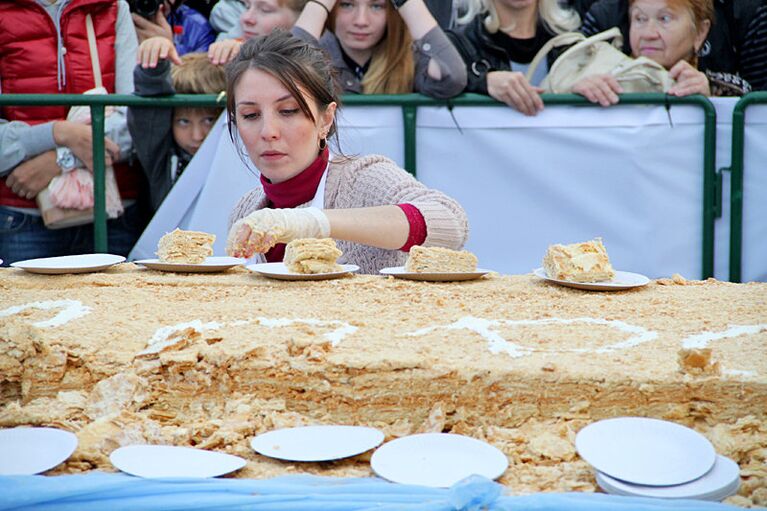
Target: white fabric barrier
[
  {"x": 754, "y": 259},
  {"x": 570, "y": 174},
  {"x": 627, "y": 173}
]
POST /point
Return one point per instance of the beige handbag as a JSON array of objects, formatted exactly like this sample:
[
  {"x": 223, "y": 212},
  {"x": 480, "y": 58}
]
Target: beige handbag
[
  {"x": 598, "y": 55},
  {"x": 67, "y": 201}
]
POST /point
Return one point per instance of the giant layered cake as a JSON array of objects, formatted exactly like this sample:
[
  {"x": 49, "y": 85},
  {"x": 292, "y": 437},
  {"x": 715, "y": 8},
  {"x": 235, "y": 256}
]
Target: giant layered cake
[{"x": 210, "y": 360}]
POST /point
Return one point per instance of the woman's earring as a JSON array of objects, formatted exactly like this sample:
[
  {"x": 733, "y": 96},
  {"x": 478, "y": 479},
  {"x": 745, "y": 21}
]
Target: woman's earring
[{"x": 323, "y": 143}]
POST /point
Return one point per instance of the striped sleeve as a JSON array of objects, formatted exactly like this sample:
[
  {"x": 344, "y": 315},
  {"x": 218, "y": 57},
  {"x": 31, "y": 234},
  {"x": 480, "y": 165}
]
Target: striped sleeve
[{"x": 753, "y": 54}]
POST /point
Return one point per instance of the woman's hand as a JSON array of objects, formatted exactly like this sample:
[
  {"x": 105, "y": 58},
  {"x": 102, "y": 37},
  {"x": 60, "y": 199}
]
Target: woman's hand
[
  {"x": 221, "y": 52},
  {"x": 512, "y": 88},
  {"x": 688, "y": 80},
  {"x": 33, "y": 175},
  {"x": 79, "y": 138},
  {"x": 154, "y": 49},
  {"x": 157, "y": 27},
  {"x": 602, "y": 89},
  {"x": 263, "y": 229}
]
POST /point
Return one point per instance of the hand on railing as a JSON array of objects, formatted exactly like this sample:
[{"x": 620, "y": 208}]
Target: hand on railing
[
  {"x": 512, "y": 88},
  {"x": 688, "y": 80},
  {"x": 79, "y": 138},
  {"x": 602, "y": 89}
]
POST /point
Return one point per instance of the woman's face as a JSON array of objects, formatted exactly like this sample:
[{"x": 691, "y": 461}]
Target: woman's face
[
  {"x": 664, "y": 33},
  {"x": 281, "y": 141},
  {"x": 360, "y": 25},
  {"x": 263, "y": 16}
]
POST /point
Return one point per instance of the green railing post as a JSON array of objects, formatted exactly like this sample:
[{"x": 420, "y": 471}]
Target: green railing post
[
  {"x": 736, "y": 180},
  {"x": 409, "y": 117},
  {"x": 99, "y": 180}
]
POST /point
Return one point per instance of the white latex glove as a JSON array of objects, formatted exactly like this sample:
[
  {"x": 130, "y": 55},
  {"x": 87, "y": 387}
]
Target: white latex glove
[{"x": 263, "y": 229}]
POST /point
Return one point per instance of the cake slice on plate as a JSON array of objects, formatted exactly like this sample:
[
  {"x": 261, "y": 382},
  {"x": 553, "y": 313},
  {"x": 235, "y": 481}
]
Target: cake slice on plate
[
  {"x": 579, "y": 262},
  {"x": 188, "y": 247},
  {"x": 312, "y": 255},
  {"x": 440, "y": 260}
]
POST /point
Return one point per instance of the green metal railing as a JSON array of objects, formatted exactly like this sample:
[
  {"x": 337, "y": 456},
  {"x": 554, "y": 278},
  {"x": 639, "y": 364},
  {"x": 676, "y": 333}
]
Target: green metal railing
[
  {"x": 736, "y": 179},
  {"x": 409, "y": 104}
]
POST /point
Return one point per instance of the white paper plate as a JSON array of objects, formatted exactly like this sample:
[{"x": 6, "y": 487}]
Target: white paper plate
[
  {"x": 152, "y": 461},
  {"x": 718, "y": 483},
  {"x": 437, "y": 459},
  {"x": 84, "y": 263},
  {"x": 622, "y": 280},
  {"x": 210, "y": 265},
  {"x": 28, "y": 451},
  {"x": 317, "y": 443},
  {"x": 645, "y": 451},
  {"x": 400, "y": 273},
  {"x": 280, "y": 271}
]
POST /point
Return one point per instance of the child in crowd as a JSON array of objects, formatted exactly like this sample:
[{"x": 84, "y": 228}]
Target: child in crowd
[
  {"x": 166, "y": 139},
  {"x": 382, "y": 47}
]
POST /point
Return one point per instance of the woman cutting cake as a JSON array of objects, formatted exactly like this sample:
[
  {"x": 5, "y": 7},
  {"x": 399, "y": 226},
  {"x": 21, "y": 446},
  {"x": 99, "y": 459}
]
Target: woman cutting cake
[{"x": 282, "y": 104}]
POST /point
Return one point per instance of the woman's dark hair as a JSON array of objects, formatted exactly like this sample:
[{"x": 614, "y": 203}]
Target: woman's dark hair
[{"x": 296, "y": 64}]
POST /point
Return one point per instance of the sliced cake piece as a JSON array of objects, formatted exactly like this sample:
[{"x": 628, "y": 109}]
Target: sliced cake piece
[
  {"x": 440, "y": 260},
  {"x": 579, "y": 262},
  {"x": 312, "y": 255},
  {"x": 189, "y": 247}
]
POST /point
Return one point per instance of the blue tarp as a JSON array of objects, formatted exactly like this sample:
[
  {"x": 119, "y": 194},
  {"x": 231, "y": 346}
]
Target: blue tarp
[{"x": 118, "y": 492}]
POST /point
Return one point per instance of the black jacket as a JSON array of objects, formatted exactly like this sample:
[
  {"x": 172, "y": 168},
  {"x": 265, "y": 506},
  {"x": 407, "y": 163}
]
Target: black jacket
[
  {"x": 151, "y": 129},
  {"x": 732, "y": 45},
  {"x": 482, "y": 55}
]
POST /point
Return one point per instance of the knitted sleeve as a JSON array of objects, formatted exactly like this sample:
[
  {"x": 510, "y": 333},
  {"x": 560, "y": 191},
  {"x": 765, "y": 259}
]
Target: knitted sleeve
[{"x": 377, "y": 181}]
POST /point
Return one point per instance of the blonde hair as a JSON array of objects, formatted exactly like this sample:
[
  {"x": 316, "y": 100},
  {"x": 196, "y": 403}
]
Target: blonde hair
[
  {"x": 197, "y": 75},
  {"x": 555, "y": 17},
  {"x": 392, "y": 66}
]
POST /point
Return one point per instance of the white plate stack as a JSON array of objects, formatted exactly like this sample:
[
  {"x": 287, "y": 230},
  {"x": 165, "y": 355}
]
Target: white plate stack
[{"x": 641, "y": 457}]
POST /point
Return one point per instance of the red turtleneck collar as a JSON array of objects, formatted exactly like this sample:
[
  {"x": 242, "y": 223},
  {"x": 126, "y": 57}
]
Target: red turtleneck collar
[
  {"x": 295, "y": 191},
  {"x": 298, "y": 189}
]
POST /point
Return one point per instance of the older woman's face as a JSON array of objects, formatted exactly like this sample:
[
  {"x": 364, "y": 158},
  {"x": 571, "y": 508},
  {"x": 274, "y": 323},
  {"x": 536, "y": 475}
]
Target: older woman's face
[
  {"x": 262, "y": 16},
  {"x": 281, "y": 141},
  {"x": 664, "y": 33}
]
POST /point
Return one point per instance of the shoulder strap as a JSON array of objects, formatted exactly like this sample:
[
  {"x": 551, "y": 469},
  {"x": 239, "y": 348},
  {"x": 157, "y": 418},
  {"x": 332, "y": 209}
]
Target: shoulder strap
[
  {"x": 559, "y": 40},
  {"x": 613, "y": 34},
  {"x": 95, "y": 64}
]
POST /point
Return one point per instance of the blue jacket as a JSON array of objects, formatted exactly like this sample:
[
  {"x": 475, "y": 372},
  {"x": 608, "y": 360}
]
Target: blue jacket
[{"x": 194, "y": 32}]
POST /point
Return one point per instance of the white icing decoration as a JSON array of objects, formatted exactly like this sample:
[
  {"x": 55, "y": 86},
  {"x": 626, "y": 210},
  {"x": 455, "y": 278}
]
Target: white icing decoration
[
  {"x": 159, "y": 340},
  {"x": 335, "y": 337},
  {"x": 498, "y": 344},
  {"x": 71, "y": 309},
  {"x": 698, "y": 341}
]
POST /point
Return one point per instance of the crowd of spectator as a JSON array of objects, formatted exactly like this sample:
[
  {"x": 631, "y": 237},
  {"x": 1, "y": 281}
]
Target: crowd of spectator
[{"x": 440, "y": 48}]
